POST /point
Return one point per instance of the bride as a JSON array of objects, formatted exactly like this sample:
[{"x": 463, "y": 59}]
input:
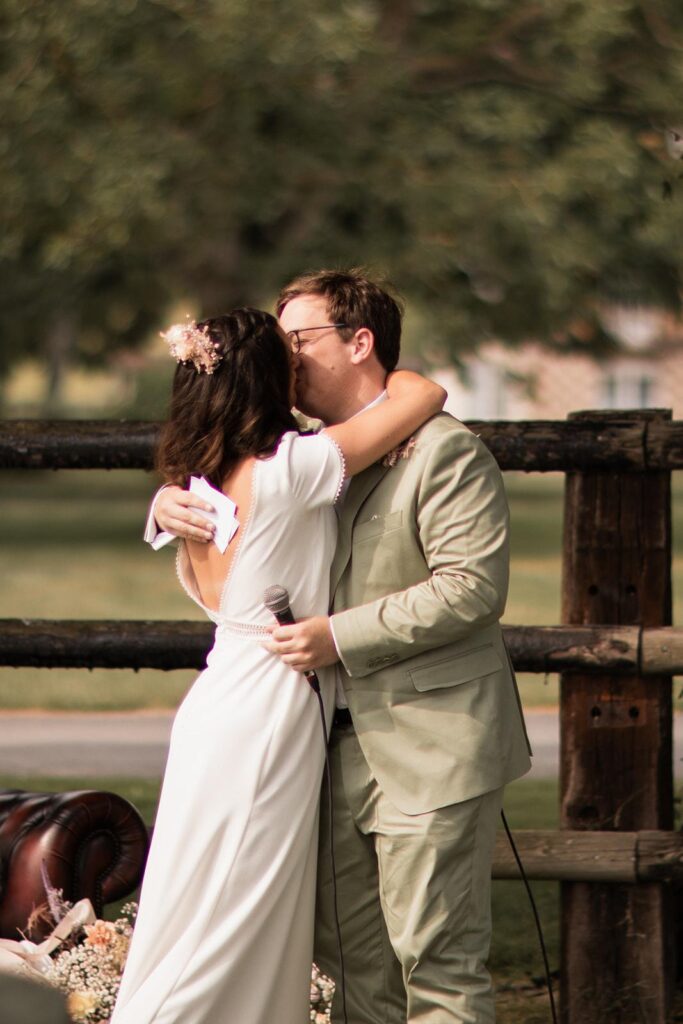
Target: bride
[{"x": 225, "y": 928}]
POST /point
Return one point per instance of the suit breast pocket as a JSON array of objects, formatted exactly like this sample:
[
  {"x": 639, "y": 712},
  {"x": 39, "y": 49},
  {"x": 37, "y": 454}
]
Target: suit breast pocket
[
  {"x": 377, "y": 527},
  {"x": 452, "y": 671}
]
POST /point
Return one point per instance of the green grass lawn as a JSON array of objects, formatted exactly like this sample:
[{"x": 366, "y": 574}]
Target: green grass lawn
[
  {"x": 515, "y": 962},
  {"x": 515, "y": 956},
  {"x": 71, "y": 547}
]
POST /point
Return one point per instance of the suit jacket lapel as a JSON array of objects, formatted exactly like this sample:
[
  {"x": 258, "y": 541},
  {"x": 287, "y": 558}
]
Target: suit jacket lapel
[{"x": 359, "y": 489}]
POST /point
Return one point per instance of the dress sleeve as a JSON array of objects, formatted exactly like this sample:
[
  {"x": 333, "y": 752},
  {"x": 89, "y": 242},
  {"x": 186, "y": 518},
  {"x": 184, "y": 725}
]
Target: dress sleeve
[{"x": 316, "y": 469}]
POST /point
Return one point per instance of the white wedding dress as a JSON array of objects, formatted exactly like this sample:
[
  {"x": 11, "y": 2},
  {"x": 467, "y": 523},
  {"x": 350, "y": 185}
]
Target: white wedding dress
[{"x": 225, "y": 928}]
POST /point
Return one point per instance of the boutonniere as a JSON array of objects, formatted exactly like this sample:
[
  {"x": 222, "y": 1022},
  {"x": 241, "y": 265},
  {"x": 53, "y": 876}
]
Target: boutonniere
[{"x": 402, "y": 451}]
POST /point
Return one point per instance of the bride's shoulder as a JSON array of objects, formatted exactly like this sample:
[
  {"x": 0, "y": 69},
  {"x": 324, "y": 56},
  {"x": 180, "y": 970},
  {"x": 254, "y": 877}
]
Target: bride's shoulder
[
  {"x": 296, "y": 445},
  {"x": 284, "y": 445},
  {"x": 303, "y": 462},
  {"x": 281, "y": 457}
]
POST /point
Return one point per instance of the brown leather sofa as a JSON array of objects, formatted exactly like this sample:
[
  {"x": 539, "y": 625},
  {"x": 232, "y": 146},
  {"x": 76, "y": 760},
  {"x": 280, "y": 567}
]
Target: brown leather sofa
[{"x": 92, "y": 844}]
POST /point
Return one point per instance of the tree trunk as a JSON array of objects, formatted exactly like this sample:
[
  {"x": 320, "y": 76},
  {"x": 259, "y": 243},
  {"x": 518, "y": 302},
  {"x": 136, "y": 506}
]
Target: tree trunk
[{"x": 59, "y": 345}]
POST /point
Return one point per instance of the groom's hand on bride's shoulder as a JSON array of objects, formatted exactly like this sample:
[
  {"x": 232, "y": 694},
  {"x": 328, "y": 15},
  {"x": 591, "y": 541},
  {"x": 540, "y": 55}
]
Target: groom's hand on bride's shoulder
[
  {"x": 179, "y": 512},
  {"x": 308, "y": 644}
]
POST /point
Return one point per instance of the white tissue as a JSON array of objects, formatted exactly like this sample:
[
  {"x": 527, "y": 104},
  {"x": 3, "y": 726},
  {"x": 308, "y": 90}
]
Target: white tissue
[{"x": 223, "y": 518}]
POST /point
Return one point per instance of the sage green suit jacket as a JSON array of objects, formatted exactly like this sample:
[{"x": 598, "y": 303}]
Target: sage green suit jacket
[{"x": 419, "y": 583}]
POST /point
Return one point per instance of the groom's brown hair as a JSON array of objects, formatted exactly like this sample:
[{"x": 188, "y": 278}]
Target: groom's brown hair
[{"x": 353, "y": 299}]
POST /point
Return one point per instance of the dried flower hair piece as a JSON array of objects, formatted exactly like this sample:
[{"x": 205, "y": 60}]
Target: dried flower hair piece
[
  {"x": 191, "y": 344},
  {"x": 403, "y": 451}
]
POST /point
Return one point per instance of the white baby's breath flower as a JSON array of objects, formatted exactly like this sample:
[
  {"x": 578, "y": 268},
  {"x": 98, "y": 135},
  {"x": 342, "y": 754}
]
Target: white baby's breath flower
[{"x": 89, "y": 973}]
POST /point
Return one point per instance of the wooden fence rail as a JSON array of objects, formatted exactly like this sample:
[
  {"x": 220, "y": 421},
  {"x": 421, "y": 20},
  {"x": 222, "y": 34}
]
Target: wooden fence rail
[
  {"x": 624, "y": 443},
  {"x": 570, "y": 856},
  {"x": 176, "y": 644},
  {"x": 616, "y": 853}
]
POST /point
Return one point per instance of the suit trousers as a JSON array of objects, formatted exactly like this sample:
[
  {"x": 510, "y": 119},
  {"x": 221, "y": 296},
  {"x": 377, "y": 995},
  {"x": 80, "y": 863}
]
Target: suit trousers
[{"x": 414, "y": 899}]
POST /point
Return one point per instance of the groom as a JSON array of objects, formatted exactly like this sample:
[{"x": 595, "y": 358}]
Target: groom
[{"x": 428, "y": 727}]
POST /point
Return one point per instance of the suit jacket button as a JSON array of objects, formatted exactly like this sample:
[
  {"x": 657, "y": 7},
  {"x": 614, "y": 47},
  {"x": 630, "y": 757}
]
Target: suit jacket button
[{"x": 385, "y": 659}]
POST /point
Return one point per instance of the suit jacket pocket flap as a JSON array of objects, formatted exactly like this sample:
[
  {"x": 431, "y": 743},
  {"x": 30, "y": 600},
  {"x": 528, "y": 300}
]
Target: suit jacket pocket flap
[
  {"x": 377, "y": 525},
  {"x": 480, "y": 661}
]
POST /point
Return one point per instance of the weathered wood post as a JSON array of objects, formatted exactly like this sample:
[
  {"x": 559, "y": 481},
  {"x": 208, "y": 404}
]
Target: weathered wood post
[{"x": 616, "y": 746}]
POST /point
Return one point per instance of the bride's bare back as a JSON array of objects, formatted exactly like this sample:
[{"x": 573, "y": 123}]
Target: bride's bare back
[{"x": 211, "y": 568}]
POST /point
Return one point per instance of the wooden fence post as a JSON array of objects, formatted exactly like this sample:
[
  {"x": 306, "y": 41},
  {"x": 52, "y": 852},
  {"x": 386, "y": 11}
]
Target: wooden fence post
[{"x": 616, "y": 742}]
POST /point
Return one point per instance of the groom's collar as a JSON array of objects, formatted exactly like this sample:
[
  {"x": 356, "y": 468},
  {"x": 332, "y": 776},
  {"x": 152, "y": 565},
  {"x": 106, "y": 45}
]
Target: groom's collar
[{"x": 381, "y": 397}]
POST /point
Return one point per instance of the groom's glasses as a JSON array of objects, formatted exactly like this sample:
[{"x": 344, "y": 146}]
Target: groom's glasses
[{"x": 298, "y": 342}]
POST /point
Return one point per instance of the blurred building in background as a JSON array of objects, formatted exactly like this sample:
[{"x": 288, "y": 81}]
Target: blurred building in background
[{"x": 534, "y": 382}]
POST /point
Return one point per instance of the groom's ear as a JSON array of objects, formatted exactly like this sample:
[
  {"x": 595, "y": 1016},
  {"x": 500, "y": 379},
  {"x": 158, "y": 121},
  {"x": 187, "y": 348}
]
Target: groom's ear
[{"x": 362, "y": 345}]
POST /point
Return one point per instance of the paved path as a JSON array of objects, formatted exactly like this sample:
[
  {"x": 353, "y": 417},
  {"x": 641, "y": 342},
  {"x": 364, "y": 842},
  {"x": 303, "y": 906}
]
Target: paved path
[
  {"x": 134, "y": 744},
  {"x": 67, "y": 745}
]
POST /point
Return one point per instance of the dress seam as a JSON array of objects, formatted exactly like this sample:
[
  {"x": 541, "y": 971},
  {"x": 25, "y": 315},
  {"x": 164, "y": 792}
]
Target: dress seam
[{"x": 342, "y": 466}]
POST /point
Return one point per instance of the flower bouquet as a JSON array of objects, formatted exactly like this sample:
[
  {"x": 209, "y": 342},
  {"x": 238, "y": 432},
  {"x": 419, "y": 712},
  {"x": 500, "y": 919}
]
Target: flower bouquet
[
  {"x": 322, "y": 990},
  {"x": 84, "y": 957},
  {"x": 89, "y": 972}
]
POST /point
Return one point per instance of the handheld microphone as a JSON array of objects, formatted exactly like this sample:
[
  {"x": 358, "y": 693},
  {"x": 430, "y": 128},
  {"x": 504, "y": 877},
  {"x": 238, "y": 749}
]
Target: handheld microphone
[{"x": 276, "y": 600}]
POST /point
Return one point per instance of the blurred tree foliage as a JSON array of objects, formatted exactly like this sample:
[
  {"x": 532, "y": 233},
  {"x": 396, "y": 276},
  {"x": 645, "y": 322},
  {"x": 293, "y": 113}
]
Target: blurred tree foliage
[{"x": 503, "y": 162}]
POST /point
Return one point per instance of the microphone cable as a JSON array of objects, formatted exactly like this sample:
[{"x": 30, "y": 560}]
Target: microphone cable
[
  {"x": 537, "y": 918},
  {"x": 330, "y": 810},
  {"x": 276, "y": 600}
]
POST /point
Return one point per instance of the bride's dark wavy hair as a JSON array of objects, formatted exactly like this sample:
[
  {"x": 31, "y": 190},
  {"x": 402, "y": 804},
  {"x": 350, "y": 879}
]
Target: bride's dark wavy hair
[{"x": 240, "y": 409}]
